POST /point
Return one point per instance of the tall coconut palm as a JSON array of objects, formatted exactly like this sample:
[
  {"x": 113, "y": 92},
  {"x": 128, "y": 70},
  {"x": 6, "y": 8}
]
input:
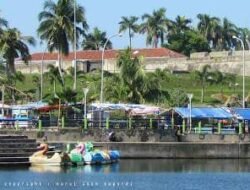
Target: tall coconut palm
[
  {"x": 209, "y": 27},
  {"x": 180, "y": 24},
  {"x": 244, "y": 34},
  {"x": 228, "y": 30},
  {"x": 53, "y": 75},
  {"x": 155, "y": 26},
  {"x": 203, "y": 77},
  {"x": 68, "y": 96},
  {"x": 36, "y": 81},
  {"x": 129, "y": 23},
  {"x": 154, "y": 91},
  {"x": 12, "y": 80},
  {"x": 96, "y": 40},
  {"x": 13, "y": 45},
  {"x": 57, "y": 25},
  {"x": 3, "y": 24},
  {"x": 132, "y": 75}
]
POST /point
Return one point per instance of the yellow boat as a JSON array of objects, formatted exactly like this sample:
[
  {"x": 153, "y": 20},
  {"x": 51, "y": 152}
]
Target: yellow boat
[{"x": 40, "y": 157}]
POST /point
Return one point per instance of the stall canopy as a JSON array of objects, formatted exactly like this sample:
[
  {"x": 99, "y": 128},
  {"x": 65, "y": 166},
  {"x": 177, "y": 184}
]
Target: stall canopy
[
  {"x": 31, "y": 105},
  {"x": 242, "y": 113},
  {"x": 203, "y": 113},
  {"x": 133, "y": 109}
]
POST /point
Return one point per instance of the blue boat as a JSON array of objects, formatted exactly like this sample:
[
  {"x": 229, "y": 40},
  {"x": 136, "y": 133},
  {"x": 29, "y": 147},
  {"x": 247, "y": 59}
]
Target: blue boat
[{"x": 114, "y": 155}]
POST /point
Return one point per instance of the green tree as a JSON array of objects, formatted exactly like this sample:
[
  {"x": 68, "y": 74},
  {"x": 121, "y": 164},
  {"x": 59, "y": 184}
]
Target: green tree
[
  {"x": 68, "y": 96},
  {"x": 179, "y": 25},
  {"x": 230, "y": 80},
  {"x": 3, "y": 24},
  {"x": 244, "y": 34},
  {"x": 96, "y": 40},
  {"x": 129, "y": 23},
  {"x": 177, "y": 98},
  {"x": 54, "y": 76},
  {"x": 154, "y": 91},
  {"x": 187, "y": 42},
  {"x": 132, "y": 75},
  {"x": 209, "y": 28},
  {"x": 92, "y": 81},
  {"x": 57, "y": 26},
  {"x": 155, "y": 26},
  {"x": 203, "y": 77},
  {"x": 218, "y": 78},
  {"x": 37, "y": 82},
  {"x": 12, "y": 80},
  {"x": 13, "y": 45},
  {"x": 115, "y": 91},
  {"x": 227, "y": 31}
]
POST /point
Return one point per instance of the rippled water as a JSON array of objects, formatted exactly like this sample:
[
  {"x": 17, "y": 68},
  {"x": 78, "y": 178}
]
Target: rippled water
[{"x": 133, "y": 174}]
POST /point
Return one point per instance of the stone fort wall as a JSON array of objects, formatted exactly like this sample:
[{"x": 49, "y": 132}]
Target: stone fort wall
[{"x": 225, "y": 61}]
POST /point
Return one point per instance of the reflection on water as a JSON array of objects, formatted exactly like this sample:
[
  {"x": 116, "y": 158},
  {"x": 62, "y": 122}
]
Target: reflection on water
[
  {"x": 109, "y": 168},
  {"x": 140, "y": 174},
  {"x": 185, "y": 165},
  {"x": 149, "y": 165},
  {"x": 42, "y": 169}
]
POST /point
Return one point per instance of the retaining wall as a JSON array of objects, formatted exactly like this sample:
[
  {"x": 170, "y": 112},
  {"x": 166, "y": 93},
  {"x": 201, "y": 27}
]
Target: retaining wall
[{"x": 149, "y": 143}]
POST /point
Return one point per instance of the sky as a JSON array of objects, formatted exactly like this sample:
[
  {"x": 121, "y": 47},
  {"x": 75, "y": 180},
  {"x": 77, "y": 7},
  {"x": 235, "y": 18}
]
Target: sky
[{"x": 106, "y": 14}]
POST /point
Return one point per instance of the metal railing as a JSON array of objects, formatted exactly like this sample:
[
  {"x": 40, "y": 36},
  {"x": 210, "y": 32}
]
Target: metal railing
[
  {"x": 104, "y": 123},
  {"x": 129, "y": 123}
]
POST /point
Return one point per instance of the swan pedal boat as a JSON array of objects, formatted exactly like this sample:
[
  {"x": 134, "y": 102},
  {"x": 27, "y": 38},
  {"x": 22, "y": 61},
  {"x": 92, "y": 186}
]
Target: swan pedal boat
[
  {"x": 40, "y": 158},
  {"x": 85, "y": 153}
]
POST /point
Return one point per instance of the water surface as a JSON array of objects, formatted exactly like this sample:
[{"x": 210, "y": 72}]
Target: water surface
[{"x": 144, "y": 174}]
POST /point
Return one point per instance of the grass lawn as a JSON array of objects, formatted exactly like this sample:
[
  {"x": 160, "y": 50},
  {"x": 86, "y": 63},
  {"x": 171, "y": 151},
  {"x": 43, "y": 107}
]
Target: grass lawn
[{"x": 180, "y": 81}]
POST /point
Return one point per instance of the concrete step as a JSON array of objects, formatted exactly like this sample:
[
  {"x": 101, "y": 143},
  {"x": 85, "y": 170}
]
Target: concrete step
[
  {"x": 26, "y": 154},
  {"x": 18, "y": 145},
  {"x": 13, "y": 137},
  {"x": 3, "y": 164},
  {"x": 18, "y": 140},
  {"x": 14, "y": 159},
  {"x": 17, "y": 150}
]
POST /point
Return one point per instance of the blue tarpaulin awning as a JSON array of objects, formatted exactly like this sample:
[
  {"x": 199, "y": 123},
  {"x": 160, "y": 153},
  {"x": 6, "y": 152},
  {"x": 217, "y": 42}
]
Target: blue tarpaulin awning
[
  {"x": 242, "y": 113},
  {"x": 203, "y": 113}
]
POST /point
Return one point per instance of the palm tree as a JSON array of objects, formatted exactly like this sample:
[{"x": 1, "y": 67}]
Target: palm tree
[
  {"x": 57, "y": 25},
  {"x": 203, "y": 77},
  {"x": 114, "y": 90},
  {"x": 92, "y": 81},
  {"x": 230, "y": 80},
  {"x": 129, "y": 23},
  {"x": 12, "y": 80},
  {"x": 132, "y": 75},
  {"x": 228, "y": 30},
  {"x": 209, "y": 28},
  {"x": 53, "y": 76},
  {"x": 154, "y": 91},
  {"x": 68, "y": 96},
  {"x": 155, "y": 26},
  {"x": 179, "y": 25},
  {"x": 13, "y": 45},
  {"x": 3, "y": 24},
  {"x": 36, "y": 81},
  {"x": 217, "y": 78},
  {"x": 96, "y": 40},
  {"x": 244, "y": 34}
]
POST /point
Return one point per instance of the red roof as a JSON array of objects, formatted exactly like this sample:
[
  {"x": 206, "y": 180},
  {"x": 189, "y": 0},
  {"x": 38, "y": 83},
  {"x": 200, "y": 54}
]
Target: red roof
[{"x": 108, "y": 54}]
